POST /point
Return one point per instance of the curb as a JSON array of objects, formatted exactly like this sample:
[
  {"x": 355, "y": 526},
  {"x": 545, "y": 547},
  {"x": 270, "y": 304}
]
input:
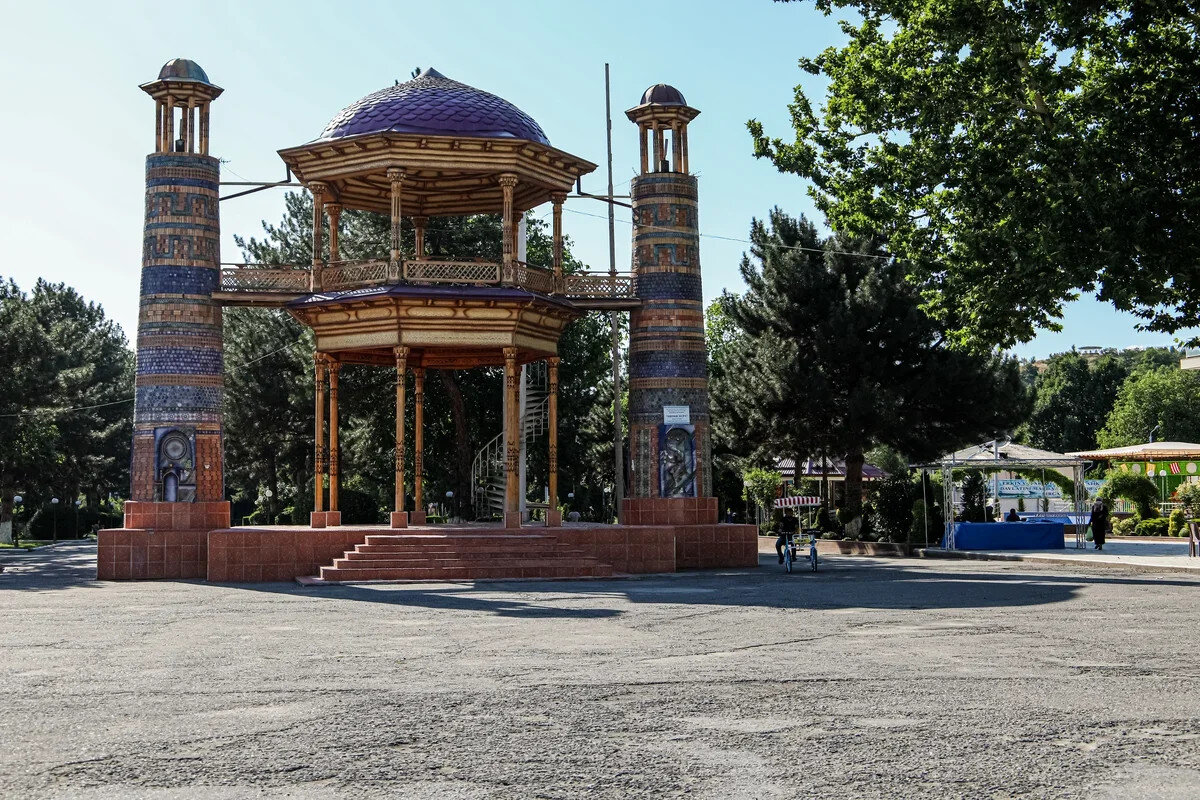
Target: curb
[{"x": 969, "y": 555}]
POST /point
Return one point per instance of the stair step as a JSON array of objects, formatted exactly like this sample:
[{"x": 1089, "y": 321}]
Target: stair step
[
  {"x": 508, "y": 563},
  {"x": 474, "y": 572},
  {"x": 478, "y": 554}
]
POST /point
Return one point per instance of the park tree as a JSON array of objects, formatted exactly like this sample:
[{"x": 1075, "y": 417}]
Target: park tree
[
  {"x": 1012, "y": 154},
  {"x": 65, "y": 399},
  {"x": 1072, "y": 400},
  {"x": 1165, "y": 398},
  {"x": 835, "y": 356}
]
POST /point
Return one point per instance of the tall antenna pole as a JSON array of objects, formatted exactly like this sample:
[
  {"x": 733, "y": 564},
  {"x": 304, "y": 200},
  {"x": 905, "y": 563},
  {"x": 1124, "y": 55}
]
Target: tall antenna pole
[{"x": 618, "y": 445}]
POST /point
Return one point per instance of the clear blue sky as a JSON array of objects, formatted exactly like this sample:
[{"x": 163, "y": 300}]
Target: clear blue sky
[{"x": 77, "y": 128}]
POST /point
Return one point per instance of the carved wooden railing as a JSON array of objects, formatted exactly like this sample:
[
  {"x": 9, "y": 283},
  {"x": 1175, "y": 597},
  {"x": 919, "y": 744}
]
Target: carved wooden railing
[
  {"x": 256, "y": 278},
  {"x": 477, "y": 273},
  {"x": 353, "y": 274},
  {"x": 599, "y": 284},
  {"x": 535, "y": 279},
  {"x": 337, "y": 276}
]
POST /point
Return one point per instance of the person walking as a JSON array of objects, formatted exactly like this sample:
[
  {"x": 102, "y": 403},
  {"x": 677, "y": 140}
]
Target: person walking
[
  {"x": 1099, "y": 522},
  {"x": 787, "y": 527}
]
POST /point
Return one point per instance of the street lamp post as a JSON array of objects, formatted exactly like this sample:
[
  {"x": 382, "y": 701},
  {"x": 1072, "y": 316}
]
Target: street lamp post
[
  {"x": 450, "y": 502},
  {"x": 54, "y": 514}
]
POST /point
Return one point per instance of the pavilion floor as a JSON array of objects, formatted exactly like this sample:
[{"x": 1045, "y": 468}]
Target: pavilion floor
[{"x": 465, "y": 551}]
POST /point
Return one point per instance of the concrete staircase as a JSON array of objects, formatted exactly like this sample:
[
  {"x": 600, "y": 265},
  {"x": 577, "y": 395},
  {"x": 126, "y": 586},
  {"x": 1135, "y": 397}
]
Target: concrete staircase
[{"x": 421, "y": 556}]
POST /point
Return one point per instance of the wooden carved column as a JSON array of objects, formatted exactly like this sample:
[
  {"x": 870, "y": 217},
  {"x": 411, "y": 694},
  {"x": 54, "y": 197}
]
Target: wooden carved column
[
  {"x": 676, "y": 154},
  {"x": 318, "y": 239},
  {"x": 334, "y": 458},
  {"x": 169, "y": 137},
  {"x": 558, "y": 198},
  {"x": 396, "y": 176},
  {"x": 512, "y": 449},
  {"x": 204, "y": 129},
  {"x": 419, "y": 234},
  {"x": 158, "y": 127},
  {"x": 683, "y": 146},
  {"x": 417, "y": 517},
  {"x": 318, "y": 515},
  {"x": 553, "y": 515},
  {"x": 643, "y": 138},
  {"x": 399, "y": 517},
  {"x": 335, "y": 218},
  {"x": 508, "y": 274},
  {"x": 658, "y": 146}
]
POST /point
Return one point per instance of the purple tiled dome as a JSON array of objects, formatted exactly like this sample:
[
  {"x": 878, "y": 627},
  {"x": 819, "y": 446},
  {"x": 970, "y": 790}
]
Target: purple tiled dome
[
  {"x": 433, "y": 104},
  {"x": 182, "y": 69}
]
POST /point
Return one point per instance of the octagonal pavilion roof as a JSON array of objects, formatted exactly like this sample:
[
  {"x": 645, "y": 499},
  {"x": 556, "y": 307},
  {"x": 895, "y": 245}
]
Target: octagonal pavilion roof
[{"x": 434, "y": 105}]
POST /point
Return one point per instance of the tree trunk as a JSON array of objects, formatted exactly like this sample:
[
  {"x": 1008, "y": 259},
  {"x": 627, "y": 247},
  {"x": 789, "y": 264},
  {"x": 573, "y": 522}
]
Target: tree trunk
[
  {"x": 852, "y": 496},
  {"x": 462, "y": 441}
]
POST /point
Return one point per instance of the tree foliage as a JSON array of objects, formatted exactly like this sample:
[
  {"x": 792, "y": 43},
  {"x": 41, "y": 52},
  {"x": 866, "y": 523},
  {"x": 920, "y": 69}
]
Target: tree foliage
[
  {"x": 1137, "y": 489},
  {"x": 760, "y": 487},
  {"x": 1164, "y": 397},
  {"x": 835, "y": 356},
  {"x": 1073, "y": 398},
  {"x": 1013, "y": 153},
  {"x": 66, "y": 389}
]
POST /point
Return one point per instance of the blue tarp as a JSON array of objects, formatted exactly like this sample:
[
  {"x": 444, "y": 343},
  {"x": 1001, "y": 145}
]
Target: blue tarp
[{"x": 1008, "y": 536}]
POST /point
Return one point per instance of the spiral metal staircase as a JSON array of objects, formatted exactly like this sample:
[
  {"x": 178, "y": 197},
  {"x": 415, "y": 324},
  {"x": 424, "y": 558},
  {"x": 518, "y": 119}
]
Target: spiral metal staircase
[{"x": 487, "y": 470}]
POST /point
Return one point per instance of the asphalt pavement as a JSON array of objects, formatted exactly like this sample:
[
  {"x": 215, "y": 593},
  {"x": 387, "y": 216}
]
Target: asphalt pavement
[{"x": 873, "y": 678}]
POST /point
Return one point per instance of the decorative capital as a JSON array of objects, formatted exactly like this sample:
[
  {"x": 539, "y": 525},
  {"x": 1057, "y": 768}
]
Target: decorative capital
[
  {"x": 333, "y": 209},
  {"x": 510, "y": 356},
  {"x": 319, "y": 189},
  {"x": 507, "y": 180},
  {"x": 420, "y": 222},
  {"x": 401, "y": 354},
  {"x": 396, "y": 174},
  {"x": 558, "y": 198}
]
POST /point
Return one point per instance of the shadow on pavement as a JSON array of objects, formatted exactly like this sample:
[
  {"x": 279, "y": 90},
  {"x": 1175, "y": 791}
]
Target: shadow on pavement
[{"x": 842, "y": 582}]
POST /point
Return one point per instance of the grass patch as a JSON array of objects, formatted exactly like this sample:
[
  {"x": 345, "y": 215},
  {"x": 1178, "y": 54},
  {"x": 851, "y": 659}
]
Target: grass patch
[{"x": 27, "y": 544}]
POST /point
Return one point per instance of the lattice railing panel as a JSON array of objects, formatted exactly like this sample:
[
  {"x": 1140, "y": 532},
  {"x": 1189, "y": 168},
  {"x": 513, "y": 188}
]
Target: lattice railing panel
[
  {"x": 535, "y": 279},
  {"x": 352, "y": 274},
  {"x": 599, "y": 284},
  {"x": 472, "y": 272},
  {"x": 290, "y": 280}
]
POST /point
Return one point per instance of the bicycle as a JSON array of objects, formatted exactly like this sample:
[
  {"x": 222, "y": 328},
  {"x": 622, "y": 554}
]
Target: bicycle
[{"x": 793, "y": 544}]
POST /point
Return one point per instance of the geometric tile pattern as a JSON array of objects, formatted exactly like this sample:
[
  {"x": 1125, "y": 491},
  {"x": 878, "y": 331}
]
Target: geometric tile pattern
[
  {"x": 667, "y": 355},
  {"x": 180, "y": 365}
]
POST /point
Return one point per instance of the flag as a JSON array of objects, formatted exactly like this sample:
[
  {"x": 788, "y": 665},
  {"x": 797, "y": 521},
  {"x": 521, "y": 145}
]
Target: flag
[{"x": 1174, "y": 467}]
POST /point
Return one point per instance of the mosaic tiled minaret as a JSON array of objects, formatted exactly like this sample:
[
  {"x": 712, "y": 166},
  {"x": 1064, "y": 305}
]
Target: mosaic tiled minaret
[
  {"x": 668, "y": 375},
  {"x": 177, "y": 448}
]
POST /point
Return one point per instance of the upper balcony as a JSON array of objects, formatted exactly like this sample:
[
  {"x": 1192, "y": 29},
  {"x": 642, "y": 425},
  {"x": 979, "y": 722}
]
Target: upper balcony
[{"x": 274, "y": 285}]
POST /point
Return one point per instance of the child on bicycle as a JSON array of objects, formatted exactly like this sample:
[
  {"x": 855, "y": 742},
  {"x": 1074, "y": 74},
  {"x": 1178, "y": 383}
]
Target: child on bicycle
[{"x": 787, "y": 527}]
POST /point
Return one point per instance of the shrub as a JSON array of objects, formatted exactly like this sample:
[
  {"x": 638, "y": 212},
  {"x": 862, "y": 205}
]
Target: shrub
[
  {"x": 893, "y": 511},
  {"x": 974, "y": 496},
  {"x": 1137, "y": 489},
  {"x": 1189, "y": 495},
  {"x": 1151, "y": 527},
  {"x": 1125, "y": 527},
  {"x": 1176, "y": 523}
]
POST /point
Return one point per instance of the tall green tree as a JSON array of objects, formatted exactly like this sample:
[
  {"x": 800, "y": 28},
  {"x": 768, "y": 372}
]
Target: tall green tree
[
  {"x": 837, "y": 356},
  {"x": 1073, "y": 398},
  {"x": 1164, "y": 397},
  {"x": 65, "y": 399},
  {"x": 1013, "y": 153}
]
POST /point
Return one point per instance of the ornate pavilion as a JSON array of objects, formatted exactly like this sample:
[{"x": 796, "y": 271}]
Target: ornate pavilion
[{"x": 423, "y": 148}]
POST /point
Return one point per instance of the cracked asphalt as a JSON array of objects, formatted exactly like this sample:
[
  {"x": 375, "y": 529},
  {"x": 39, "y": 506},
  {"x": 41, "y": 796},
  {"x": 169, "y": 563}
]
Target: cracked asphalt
[{"x": 874, "y": 678}]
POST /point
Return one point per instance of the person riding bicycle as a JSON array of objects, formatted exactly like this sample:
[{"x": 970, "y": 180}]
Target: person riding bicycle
[{"x": 787, "y": 527}]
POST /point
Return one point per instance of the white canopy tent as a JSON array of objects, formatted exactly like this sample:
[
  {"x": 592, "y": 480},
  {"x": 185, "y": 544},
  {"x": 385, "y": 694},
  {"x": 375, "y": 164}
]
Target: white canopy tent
[{"x": 997, "y": 456}]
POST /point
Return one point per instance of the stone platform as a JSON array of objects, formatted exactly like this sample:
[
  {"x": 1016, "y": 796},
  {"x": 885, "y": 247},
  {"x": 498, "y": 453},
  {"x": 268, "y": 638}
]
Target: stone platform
[{"x": 430, "y": 552}]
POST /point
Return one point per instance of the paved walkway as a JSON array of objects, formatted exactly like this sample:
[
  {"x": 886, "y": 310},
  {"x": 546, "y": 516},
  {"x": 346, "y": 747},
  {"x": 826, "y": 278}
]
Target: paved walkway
[
  {"x": 875, "y": 678},
  {"x": 1155, "y": 556}
]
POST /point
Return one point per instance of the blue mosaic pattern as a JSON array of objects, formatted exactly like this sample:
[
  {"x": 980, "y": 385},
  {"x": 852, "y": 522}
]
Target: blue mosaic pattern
[
  {"x": 172, "y": 279},
  {"x": 176, "y": 403},
  {"x": 433, "y": 104},
  {"x": 179, "y": 361}
]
